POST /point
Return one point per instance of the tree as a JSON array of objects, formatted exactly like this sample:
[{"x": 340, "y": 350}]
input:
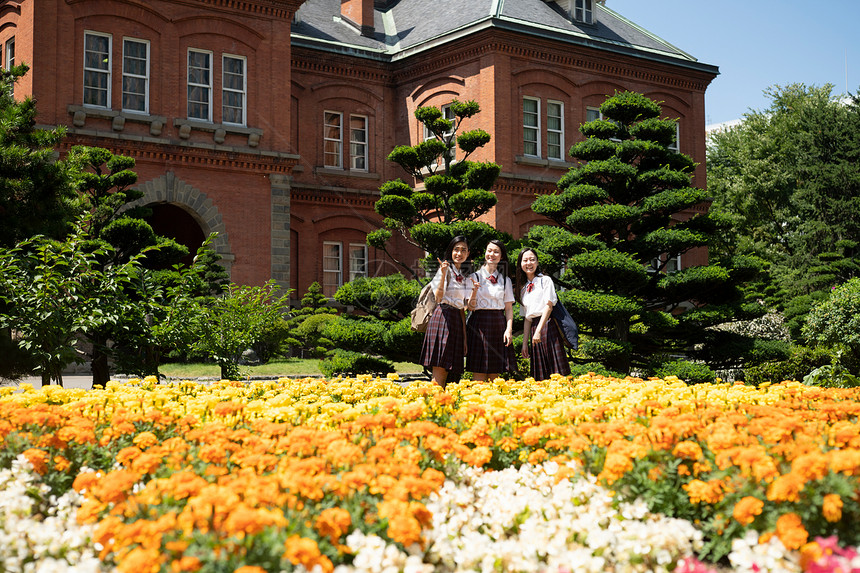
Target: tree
[
  {"x": 55, "y": 290},
  {"x": 224, "y": 327},
  {"x": 36, "y": 194},
  {"x": 788, "y": 178},
  {"x": 616, "y": 229},
  {"x": 307, "y": 323},
  {"x": 451, "y": 194},
  {"x": 104, "y": 181}
]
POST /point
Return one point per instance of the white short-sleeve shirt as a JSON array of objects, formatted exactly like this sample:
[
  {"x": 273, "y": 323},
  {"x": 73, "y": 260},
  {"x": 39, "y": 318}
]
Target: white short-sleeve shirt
[
  {"x": 534, "y": 300},
  {"x": 457, "y": 292},
  {"x": 492, "y": 295}
]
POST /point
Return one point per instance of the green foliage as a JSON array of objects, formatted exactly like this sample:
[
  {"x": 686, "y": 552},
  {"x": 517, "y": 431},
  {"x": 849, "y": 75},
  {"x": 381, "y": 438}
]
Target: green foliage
[
  {"x": 308, "y": 339},
  {"x": 835, "y": 322},
  {"x": 228, "y": 325},
  {"x": 54, "y": 291},
  {"x": 390, "y": 298},
  {"x": 789, "y": 179},
  {"x": 689, "y": 372},
  {"x": 624, "y": 206},
  {"x": 347, "y": 363},
  {"x": 799, "y": 363}
]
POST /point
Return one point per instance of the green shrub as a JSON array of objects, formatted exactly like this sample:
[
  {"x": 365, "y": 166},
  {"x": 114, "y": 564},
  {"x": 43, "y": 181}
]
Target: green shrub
[
  {"x": 689, "y": 372},
  {"x": 350, "y": 363},
  {"x": 272, "y": 341},
  {"x": 801, "y": 361},
  {"x": 596, "y": 367}
]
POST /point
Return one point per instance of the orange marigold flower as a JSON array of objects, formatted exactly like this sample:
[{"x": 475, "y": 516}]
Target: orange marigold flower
[
  {"x": 655, "y": 473},
  {"x": 303, "y": 551},
  {"x": 38, "y": 459},
  {"x": 185, "y": 563},
  {"x": 538, "y": 456},
  {"x": 790, "y": 530},
  {"x": 747, "y": 509},
  {"x": 61, "y": 464},
  {"x": 809, "y": 554},
  {"x": 786, "y": 487},
  {"x": 140, "y": 560},
  {"x": 228, "y": 408},
  {"x": 479, "y": 456},
  {"x": 705, "y": 492},
  {"x": 687, "y": 450},
  {"x": 145, "y": 440},
  {"x": 832, "y": 508},
  {"x": 811, "y": 466},
  {"x": 249, "y": 569},
  {"x": 333, "y": 523}
]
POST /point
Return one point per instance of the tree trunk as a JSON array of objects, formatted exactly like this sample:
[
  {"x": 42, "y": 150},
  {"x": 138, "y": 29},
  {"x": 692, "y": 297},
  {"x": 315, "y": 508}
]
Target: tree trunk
[{"x": 100, "y": 367}]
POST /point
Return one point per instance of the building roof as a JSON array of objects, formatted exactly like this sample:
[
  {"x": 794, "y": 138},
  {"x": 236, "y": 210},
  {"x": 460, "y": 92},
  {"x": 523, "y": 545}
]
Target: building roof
[{"x": 406, "y": 27}]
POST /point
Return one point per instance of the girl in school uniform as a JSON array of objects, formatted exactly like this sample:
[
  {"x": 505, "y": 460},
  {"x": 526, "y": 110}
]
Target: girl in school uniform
[
  {"x": 491, "y": 317},
  {"x": 445, "y": 340},
  {"x": 541, "y": 340}
]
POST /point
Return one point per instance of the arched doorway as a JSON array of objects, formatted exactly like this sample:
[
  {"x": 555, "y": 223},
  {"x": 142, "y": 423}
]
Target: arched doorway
[{"x": 176, "y": 223}]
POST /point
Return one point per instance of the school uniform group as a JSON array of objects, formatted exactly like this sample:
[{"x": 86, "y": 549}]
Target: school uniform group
[{"x": 486, "y": 338}]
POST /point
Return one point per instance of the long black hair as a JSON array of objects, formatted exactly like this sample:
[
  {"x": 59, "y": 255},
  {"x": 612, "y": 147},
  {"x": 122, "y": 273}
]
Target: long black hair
[
  {"x": 521, "y": 276},
  {"x": 449, "y": 250}
]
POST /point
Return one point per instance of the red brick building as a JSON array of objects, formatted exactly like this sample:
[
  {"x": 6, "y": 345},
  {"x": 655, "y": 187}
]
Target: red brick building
[{"x": 269, "y": 121}]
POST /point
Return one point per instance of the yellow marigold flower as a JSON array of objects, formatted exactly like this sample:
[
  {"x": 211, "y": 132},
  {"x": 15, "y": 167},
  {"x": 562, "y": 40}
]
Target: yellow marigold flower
[
  {"x": 790, "y": 531},
  {"x": 747, "y": 509},
  {"x": 333, "y": 523},
  {"x": 831, "y": 509}
]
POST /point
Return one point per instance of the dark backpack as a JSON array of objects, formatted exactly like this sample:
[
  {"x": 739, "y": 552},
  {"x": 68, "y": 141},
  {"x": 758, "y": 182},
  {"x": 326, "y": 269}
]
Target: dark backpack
[
  {"x": 566, "y": 326},
  {"x": 420, "y": 315}
]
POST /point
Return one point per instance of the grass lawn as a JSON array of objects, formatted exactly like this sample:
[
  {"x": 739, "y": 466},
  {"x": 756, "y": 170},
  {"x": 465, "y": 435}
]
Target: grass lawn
[{"x": 275, "y": 368}]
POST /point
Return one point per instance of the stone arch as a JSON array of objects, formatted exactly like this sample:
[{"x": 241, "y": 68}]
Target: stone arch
[{"x": 170, "y": 189}]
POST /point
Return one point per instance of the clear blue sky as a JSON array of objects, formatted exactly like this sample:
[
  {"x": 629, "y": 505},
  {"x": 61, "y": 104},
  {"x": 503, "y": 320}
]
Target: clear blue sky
[{"x": 757, "y": 44}]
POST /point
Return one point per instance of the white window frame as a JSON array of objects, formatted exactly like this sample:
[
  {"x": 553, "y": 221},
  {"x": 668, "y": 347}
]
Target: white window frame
[
  {"x": 583, "y": 11},
  {"x": 354, "y": 262},
  {"x": 447, "y": 113},
  {"x": 333, "y": 137},
  {"x": 531, "y": 129},
  {"x": 358, "y": 143},
  {"x": 232, "y": 91},
  {"x": 676, "y": 147},
  {"x": 9, "y": 53},
  {"x": 551, "y": 132},
  {"x": 672, "y": 264},
  {"x": 332, "y": 277},
  {"x": 101, "y": 71},
  {"x": 205, "y": 87},
  {"x": 144, "y": 77}
]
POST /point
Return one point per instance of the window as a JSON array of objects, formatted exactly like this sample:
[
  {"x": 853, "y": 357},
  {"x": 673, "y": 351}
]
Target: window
[
  {"x": 357, "y": 261},
  {"x": 583, "y": 11},
  {"x": 135, "y": 75},
  {"x": 592, "y": 113},
  {"x": 676, "y": 145},
  {"x": 358, "y": 142},
  {"x": 332, "y": 270},
  {"x": 233, "y": 82},
  {"x": 671, "y": 264},
  {"x": 9, "y": 54},
  {"x": 555, "y": 130},
  {"x": 199, "y": 85},
  {"x": 97, "y": 68},
  {"x": 332, "y": 139},
  {"x": 447, "y": 113},
  {"x": 531, "y": 126}
]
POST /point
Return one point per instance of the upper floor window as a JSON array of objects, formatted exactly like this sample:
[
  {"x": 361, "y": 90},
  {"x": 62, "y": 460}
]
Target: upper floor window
[
  {"x": 97, "y": 67},
  {"x": 665, "y": 264},
  {"x": 555, "y": 130},
  {"x": 531, "y": 126},
  {"x": 199, "y": 85},
  {"x": 447, "y": 113},
  {"x": 583, "y": 11},
  {"x": 233, "y": 96},
  {"x": 358, "y": 142},
  {"x": 9, "y": 54},
  {"x": 135, "y": 75},
  {"x": 357, "y": 261},
  {"x": 333, "y": 139},
  {"x": 676, "y": 145}
]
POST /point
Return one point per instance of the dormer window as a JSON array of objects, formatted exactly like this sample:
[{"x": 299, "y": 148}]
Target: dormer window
[{"x": 581, "y": 11}]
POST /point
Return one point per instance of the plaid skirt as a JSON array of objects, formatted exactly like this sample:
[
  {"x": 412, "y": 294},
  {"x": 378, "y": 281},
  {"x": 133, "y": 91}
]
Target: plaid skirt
[
  {"x": 549, "y": 356},
  {"x": 487, "y": 353},
  {"x": 444, "y": 341}
]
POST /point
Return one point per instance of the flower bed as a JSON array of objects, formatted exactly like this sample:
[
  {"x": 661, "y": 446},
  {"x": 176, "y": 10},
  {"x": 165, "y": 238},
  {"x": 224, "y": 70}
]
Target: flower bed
[{"x": 584, "y": 474}]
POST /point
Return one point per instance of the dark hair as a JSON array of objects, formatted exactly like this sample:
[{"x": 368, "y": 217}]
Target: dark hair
[
  {"x": 504, "y": 263},
  {"x": 521, "y": 276},
  {"x": 449, "y": 250}
]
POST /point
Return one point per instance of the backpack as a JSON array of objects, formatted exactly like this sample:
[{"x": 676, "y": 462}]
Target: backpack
[
  {"x": 566, "y": 326},
  {"x": 420, "y": 315}
]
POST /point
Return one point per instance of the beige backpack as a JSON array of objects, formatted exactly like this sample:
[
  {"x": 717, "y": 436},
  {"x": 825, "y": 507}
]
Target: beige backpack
[{"x": 420, "y": 315}]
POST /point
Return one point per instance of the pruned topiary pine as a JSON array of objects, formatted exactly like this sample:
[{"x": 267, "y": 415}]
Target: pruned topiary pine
[
  {"x": 616, "y": 234},
  {"x": 447, "y": 193}
]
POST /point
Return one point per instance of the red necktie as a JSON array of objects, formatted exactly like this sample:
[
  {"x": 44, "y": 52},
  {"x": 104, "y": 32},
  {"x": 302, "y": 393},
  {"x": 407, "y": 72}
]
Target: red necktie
[
  {"x": 459, "y": 278},
  {"x": 530, "y": 287},
  {"x": 492, "y": 279}
]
